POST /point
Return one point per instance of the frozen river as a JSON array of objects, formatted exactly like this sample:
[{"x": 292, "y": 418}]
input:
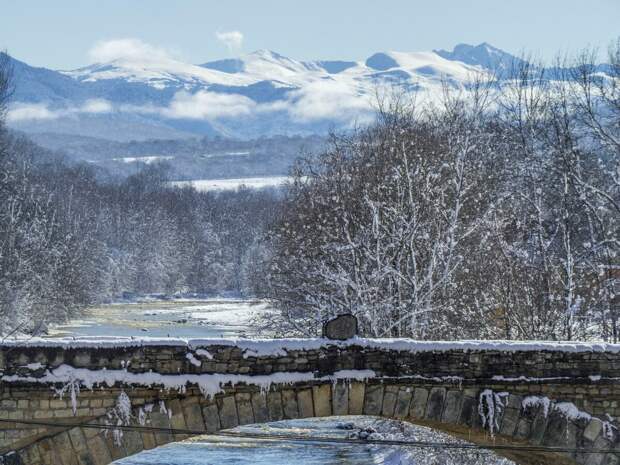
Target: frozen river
[{"x": 233, "y": 318}]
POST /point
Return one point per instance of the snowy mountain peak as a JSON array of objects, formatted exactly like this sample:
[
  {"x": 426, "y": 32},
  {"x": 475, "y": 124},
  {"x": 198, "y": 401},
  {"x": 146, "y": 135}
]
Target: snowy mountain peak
[
  {"x": 484, "y": 55},
  {"x": 263, "y": 92}
]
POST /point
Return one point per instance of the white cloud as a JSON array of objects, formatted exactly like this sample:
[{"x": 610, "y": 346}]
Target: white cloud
[
  {"x": 24, "y": 112},
  {"x": 328, "y": 100},
  {"x": 320, "y": 100},
  {"x": 208, "y": 105},
  {"x": 134, "y": 49},
  {"x": 97, "y": 105},
  {"x": 232, "y": 39},
  {"x": 40, "y": 111}
]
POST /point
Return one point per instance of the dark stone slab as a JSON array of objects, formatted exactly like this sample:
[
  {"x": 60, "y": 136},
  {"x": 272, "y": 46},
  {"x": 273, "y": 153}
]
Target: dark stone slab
[{"x": 341, "y": 328}]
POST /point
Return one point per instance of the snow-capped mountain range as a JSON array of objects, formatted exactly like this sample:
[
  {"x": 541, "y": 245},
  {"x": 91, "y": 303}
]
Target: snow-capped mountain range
[{"x": 261, "y": 93}]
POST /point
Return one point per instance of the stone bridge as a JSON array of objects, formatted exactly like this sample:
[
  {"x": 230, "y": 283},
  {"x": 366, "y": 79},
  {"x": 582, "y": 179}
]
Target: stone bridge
[{"x": 52, "y": 392}]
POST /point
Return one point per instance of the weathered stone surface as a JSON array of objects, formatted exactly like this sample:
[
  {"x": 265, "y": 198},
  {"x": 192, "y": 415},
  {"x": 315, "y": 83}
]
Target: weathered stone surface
[
  {"x": 356, "y": 398},
  {"x": 340, "y": 399},
  {"x": 452, "y": 408},
  {"x": 418, "y": 404},
  {"x": 227, "y": 410},
  {"x": 116, "y": 449},
  {"x": 539, "y": 425},
  {"x": 509, "y": 421},
  {"x": 435, "y": 405},
  {"x": 305, "y": 403},
  {"x": 289, "y": 404},
  {"x": 65, "y": 450},
  {"x": 244, "y": 408},
  {"x": 373, "y": 400},
  {"x": 77, "y": 438},
  {"x": 322, "y": 399},
  {"x": 160, "y": 420},
  {"x": 390, "y": 395},
  {"x": 259, "y": 407},
  {"x": 593, "y": 429},
  {"x": 274, "y": 405},
  {"x": 148, "y": 440},
  {"x": 405, "y": 394},
  {"x": 211, "y": 417},
  {"x": 30, "y": 455},
  {"x": 177, "y": 418},
  {"x": 99, "y": 451},
  {"x": 193, "y": 414},
  {"x": 132, "y": 441},
  {"x": 342, "y": 327}
]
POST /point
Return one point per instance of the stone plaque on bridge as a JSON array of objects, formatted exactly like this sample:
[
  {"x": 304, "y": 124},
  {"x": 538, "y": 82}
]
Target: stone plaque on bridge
[{"x": 342, "y": 327}]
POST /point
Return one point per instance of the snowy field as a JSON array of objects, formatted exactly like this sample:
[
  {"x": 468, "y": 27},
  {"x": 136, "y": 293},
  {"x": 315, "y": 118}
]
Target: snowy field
[
  {"x": 217, "y": 450},
  {"x": 145, "y": 160},
  {"x": 188, "y": 318},
  {"x": 233, "y": 184}
]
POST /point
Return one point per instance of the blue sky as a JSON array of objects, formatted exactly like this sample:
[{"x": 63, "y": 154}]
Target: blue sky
[{"x": 62, "y": 33}]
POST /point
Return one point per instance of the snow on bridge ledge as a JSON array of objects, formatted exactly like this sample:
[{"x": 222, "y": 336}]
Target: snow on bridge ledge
[{"x": 279, "y": 347}]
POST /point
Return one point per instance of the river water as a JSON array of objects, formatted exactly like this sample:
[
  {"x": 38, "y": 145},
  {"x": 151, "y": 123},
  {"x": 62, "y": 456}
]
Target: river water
[
  {"x": 233, "y": 318},
  {"x": 189, "y": 318},
  {"x": 223, "y": 450}
]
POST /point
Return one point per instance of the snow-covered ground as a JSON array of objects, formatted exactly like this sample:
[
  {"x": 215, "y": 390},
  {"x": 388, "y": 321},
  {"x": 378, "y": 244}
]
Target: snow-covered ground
[
  {"x": 226, "y": 450},
  {"x": 145, "y": 160},
  {"x": 186, "y": 318},
  {"x": 233, "y": 184}
]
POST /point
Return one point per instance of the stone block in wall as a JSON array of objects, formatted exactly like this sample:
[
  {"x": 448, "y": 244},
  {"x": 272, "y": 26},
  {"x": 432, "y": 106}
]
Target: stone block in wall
[
  {"x": 99, "y": 450},
  {"x": 340, "y": 398},
  {"x": 322, "y": 397},
  {"x": 418, "y": 403},
  {"x": 161, "y": 420},
  {"x": 356, "y": 397},
  {"x": 259, "y": 407},
  {"x": 390, "y": 395},
  {"x": 193, "y": 414},
  {"x": 373, "y": 400},
  {"x": 177, "y": 418},
  {"x": 289, "y": 404},
  {"x": 227, "y": 410},
  {"x": 435, "y": 405},
  {"x": 452, "y": 408},
  {"x": 305, "y": 403},
  {"x": 132, "y": 441},
  {"x": 403, "y": 401},
  {"x": 274, "y": 406},
  {"x": 211, "y": 416},
  {"x": 65, "y": 450},
  {"x": 244, "y": 408}
]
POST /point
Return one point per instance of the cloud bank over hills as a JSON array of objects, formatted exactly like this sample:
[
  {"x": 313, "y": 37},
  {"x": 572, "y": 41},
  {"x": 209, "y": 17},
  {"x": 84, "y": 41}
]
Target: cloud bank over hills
[{"x": 134, "y": 90}]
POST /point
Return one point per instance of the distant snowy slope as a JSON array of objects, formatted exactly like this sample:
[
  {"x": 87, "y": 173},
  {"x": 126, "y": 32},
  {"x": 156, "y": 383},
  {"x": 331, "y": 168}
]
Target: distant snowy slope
[
  {"x": 484, "y": 55},
  {"x": 258, "y": 94}
]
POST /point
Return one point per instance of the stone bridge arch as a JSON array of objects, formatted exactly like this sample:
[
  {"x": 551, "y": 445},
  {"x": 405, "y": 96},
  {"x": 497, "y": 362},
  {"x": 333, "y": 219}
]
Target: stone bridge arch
[{"x": 525, "y": 394}]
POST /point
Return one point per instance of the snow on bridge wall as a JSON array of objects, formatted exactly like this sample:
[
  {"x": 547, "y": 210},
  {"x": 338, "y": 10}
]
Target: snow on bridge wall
[{"x": 526, "y": 393}]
